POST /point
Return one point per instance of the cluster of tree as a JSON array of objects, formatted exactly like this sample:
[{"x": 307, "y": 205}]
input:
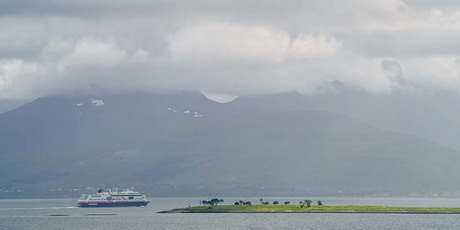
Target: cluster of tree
[
  {"x": 243, "y": 203},
  {"x": 305, "y": 203},
  {"x": 274, "y": 202},
  {"x": 263, "y": 202},
  {"x": 212, "y": 202},
  {"x": 308, "y": 203}
]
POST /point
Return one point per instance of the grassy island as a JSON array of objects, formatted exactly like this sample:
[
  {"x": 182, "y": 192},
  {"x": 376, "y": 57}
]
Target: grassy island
[{"x": 312, "y": 209}]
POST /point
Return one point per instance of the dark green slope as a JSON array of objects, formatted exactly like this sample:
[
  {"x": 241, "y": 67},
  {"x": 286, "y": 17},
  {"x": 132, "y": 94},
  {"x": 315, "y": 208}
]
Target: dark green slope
[
  {"x": 430, "y": 115},
  {"x": 315, "y": 150}
]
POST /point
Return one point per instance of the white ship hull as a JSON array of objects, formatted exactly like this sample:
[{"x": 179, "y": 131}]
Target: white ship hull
[{"x": 113, "y": 199}]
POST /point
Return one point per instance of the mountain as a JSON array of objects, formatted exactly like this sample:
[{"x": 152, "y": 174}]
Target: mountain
[
  {"x": 433, "y": 116},
  {"x": 9, "y": 104},
  {"x": 186, "y": 145}
]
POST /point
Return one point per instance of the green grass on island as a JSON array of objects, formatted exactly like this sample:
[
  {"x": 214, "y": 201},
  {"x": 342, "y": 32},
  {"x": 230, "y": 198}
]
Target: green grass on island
[{"x": 312, "y": 209}]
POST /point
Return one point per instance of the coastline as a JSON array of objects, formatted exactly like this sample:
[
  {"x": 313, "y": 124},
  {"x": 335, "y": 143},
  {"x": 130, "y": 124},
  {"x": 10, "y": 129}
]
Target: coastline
[{"x": 314, "y": 209}]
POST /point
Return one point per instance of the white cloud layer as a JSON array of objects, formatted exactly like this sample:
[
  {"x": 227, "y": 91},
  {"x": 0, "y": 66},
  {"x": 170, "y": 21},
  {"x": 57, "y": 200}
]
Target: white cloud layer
[
  {"x": 227, "y": 48},
  {"x": 229, "y": 42},
  {"x": 88, "y": 52}
]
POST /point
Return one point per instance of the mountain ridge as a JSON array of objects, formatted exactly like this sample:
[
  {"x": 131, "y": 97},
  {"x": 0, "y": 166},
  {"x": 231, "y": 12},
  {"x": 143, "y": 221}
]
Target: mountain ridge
[{"x": 155, "y": 142}]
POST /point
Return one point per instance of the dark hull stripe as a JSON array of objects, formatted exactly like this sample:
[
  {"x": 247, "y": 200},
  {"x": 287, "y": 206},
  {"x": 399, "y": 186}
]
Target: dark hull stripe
[{"x": 112, "y": 204}]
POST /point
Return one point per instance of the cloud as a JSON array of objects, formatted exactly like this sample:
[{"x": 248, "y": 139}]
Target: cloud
[
  {"x": 70, "y": 66},
  {"x": 227, "y": 48},
  {"x": 223, "y": 41},
  {"x": 88, "y": 52},
  {"x": 240, "y": 59},
  {"x": 18, "y": 78},
  {"x": 434, "y": 72},
  {"x": 308, "y": 45}
]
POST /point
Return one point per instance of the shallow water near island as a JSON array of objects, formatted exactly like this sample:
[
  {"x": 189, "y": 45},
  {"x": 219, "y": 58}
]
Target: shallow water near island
[{"x": 62, "y": 214}]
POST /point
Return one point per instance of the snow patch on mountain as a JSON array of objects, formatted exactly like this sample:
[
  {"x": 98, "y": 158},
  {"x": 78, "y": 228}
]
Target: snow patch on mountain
[
  {"x": 97, "y": 102},
  {"x": 170, "y": 109},
  {"x": 194, "y": 114}
]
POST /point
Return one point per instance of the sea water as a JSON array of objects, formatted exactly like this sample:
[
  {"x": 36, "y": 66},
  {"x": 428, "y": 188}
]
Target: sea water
[{"x": 62, "y": 214}]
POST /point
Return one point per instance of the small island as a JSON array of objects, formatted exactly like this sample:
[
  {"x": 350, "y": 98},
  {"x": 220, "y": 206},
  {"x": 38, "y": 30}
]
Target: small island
[
  {"x": 313, "y": 209},
  {"x": 306, "y": 207}
]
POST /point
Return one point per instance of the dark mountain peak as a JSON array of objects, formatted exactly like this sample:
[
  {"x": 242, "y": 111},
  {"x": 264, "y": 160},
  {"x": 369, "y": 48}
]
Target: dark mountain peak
[
  {"x": 336, "y": 87},
  {"x": 52, "y": 102},
  {"x": 393, "y": 70},
  {"x": 286, "y": 100}
]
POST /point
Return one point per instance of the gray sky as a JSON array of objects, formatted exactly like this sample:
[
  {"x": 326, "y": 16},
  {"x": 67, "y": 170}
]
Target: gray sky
[{"x": 229, "y": 47}]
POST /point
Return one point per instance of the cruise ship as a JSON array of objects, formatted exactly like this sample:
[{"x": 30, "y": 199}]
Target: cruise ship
[{"x": 113, "y": 199}]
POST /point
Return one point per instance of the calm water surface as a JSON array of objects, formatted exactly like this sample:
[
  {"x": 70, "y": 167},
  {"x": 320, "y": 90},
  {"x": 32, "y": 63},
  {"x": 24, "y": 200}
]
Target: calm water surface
[{"x": 38, "y": 214}]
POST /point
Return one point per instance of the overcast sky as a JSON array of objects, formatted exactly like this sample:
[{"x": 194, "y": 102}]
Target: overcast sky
[{"x": 228, "y": 47}]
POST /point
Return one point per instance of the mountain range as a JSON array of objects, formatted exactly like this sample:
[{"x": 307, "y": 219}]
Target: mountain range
[{"x": 183, "y": 144}]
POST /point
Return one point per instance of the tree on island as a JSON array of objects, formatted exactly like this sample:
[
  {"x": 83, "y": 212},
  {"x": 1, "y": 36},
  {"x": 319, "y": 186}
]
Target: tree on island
[
  {"x": 267, "y": 203},
  {"x": 243, "y": 203},
  {"x": 212, "y": 202},
  {"x": 287, "y": 202},
  {"x": 261, "y": 201},
  {"x": 308, "y": 203},
  {"x": 275, "y": 202},
  {"x": 320, "y": 203}
]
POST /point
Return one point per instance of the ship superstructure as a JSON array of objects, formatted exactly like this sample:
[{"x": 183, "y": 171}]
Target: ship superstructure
[{"x": 113, "y": 199}]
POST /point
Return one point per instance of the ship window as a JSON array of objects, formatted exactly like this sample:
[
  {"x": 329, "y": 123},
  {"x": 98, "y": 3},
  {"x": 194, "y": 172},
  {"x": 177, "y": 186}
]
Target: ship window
[{"x": 131, "y": 197}]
